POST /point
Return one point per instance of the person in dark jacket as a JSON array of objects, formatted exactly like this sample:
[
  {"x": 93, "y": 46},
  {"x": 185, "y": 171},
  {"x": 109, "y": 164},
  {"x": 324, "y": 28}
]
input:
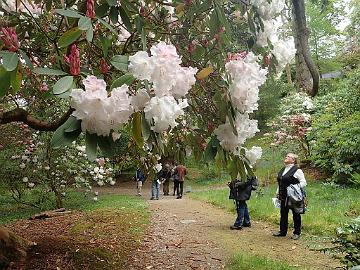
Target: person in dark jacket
[
  {"x": 289, "y": 175},
  {"x": 240, "y": 192},
  {"x": 165, "y": 175}
]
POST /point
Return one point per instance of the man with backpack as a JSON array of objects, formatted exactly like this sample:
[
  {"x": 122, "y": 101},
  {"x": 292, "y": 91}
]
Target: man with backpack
[{"x": 240, "y": 192}]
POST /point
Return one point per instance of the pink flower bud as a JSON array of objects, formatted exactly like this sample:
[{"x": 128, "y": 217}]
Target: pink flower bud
[
  {"x": 73, "y": 59},
  {"x": 9, "y": 38},
  {"x": 90, "y": 12},
  {"x": 104, "y": 67}
]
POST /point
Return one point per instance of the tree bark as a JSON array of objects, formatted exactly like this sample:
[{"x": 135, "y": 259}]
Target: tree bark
[
  {"x": 20, "y": 115},
  {"x": 12, "y": 248},
  {"x": 307, "y": 74}
]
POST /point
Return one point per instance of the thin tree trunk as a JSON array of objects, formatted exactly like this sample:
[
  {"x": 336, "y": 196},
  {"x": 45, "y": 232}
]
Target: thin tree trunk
[{"x": 307, "y": 74}]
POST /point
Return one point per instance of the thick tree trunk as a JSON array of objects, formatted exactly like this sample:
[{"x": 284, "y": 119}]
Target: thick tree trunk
[
  {"x": 307, "y": 74},
  {"x": 12, "y": 248}
]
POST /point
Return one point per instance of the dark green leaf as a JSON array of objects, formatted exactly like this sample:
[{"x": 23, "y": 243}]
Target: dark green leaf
[
  {"x": 49, "y": 71},
  {"x": 69, "y": 37},
  {"x": 125, "y": 79},
  {"x": 74, "y": 125},
  {"x": 91, "y": 146},
  {"x": 62, "y": 138},
  {"x": 125, "y": 18},
  {"x": 145, "y": 127},
  {"x": 26, "y": 59},
  {"x": 5, "y": 78},
  {"x": 112, "y": 2},
  {"x": 16, "y": 79},
  {"x": 211, "y": 149},
  {"x": 143, "y": 39},
  {"x": 10, "y": 60},
  {"x": 114, "y": 15},
  {"x": 139, "y": 22},
  {"x": 136, "y": 129},
  {"x": 102, "y": 10},
  {"x": 63, "y": 85},
  {"x": 106, "y": 145},
  {"x": 68, "y": 13},
  {"x": 107, "y": 26}
]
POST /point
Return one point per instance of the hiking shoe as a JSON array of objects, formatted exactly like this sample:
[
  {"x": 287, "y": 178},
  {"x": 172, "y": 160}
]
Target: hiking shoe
[
  {"x": 233, "y": 227},
  {"x": 178, "y": 197},
  {"x": 246, "y": 225},
  {"x": 152, "y": 198},
  {"x": 295, "y": 237},
  {"x": 279, "y": 234}
]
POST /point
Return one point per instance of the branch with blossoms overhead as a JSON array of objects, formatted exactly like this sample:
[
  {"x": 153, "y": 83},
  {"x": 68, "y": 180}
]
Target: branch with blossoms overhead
[{"x": 148, "y": 65}]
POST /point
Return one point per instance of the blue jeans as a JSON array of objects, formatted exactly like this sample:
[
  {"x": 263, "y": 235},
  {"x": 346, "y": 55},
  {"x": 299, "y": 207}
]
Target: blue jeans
[
  {"x": 155, "y": 190},
  {"x": 242, "y": 214}
]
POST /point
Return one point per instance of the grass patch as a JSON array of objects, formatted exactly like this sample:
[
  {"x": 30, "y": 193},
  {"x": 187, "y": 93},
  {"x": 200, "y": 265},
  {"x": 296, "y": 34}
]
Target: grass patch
[
  {"x": 75, "y": 200},
  {"x": 329, "y": 206},
  {"x": 246, "y": 262}
]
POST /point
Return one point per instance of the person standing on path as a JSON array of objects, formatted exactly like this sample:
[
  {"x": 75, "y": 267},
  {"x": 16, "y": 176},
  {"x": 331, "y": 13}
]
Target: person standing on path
[
  {"x": 287, "y": 176},
  {"x": 140, "y": 179},
  {"x": 165, "y": 175},
  {"x": 180, "y": 171},
  {"x": 240, "y": 192}
]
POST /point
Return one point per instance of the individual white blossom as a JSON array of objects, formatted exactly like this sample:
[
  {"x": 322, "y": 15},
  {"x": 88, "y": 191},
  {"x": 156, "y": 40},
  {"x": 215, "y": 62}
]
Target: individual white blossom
[
  {"x": 22, "y": 165},
  {"x": 31, "y": 185},
  {"x": 163, "y": 111},
  {"x": 284, "y": 52},
  {"x": 140, "y": 99},
  {"x": 140, "y": 65},
  {"x": 25, "y": 179},
  {"x": 253, "y": 154}
]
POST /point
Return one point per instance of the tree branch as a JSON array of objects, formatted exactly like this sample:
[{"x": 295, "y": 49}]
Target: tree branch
[{"x": 20, "y": 115}]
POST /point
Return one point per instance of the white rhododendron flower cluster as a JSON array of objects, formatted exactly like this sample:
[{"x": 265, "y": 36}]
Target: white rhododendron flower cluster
[
  {"x": 283, "y": 50},
  {"x": 168, "y": 80},
  {"x": 246, "y": 78},
  {"x": 102, "y": 113},
  {"x": 253, "y": 154},
  {"x": 99, "y": 112},
  {"x": 269, "y": 10},
  {"x": 245, "y": 128},
  {"x": 163, "y": 70}
]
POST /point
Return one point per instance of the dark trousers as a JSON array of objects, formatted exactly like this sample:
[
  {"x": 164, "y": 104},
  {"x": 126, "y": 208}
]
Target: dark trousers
[
  {"x": 284, "y": 213},
  {"x": 243, "y": 217},
  {"x": 166, "y": 187},
  {"x": 180, "y": 189},
  {"x": 176, "y": 187}
]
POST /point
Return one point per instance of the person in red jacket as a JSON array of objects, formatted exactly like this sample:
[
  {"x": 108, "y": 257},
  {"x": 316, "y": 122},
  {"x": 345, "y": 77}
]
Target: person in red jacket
[{"x": 179, "y": 175}]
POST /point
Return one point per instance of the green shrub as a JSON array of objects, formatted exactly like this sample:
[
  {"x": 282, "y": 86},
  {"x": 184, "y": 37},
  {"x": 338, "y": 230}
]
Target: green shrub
[
  {"x": 335, "y": 134},
  {"x": 269, "y": 104},
  {"x": 348, "y": 243}
]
